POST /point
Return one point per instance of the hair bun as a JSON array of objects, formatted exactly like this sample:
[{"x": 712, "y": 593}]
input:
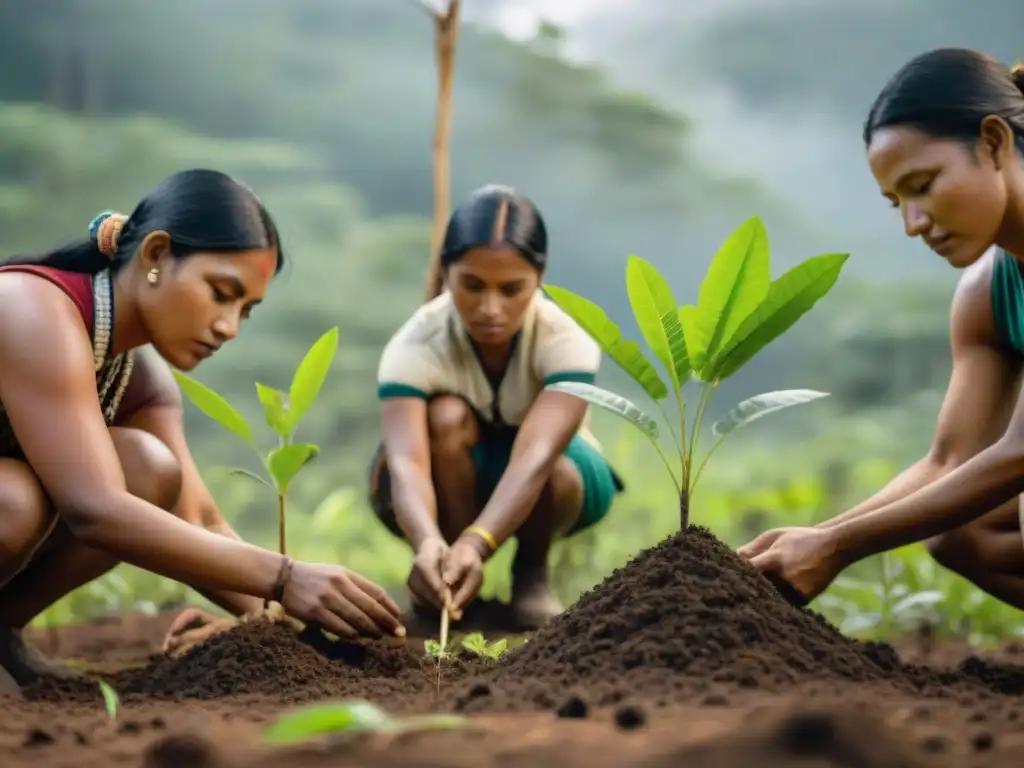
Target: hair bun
[
  {"x": 105, "y": 230},
  {"x": 1017, "y": 75}
]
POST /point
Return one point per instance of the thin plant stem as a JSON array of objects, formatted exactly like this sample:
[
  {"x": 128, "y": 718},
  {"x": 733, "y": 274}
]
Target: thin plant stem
[{"x": 281, "y": 524}]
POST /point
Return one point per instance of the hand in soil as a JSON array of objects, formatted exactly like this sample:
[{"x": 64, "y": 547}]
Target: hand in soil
[
  {"x": 425, "y": 583},
  {"x": 463, "y": 574},
  {"x": 192, "y": 627},
  {"x": 762, "y": 542},
  {"x": 804, "y": 558},
  {"x": 341, "y": 601}
]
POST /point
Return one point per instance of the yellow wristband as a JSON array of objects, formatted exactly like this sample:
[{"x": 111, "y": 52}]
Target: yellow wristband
[{"x": 485, "y": 535}]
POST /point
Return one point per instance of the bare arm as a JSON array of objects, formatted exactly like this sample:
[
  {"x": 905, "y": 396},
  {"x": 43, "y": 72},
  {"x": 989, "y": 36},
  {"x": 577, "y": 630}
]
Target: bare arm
[
  {"x": 161, "y": 416},
  {"x": 975, "y": 461},
  {"x": 549, "y": 426},
  {"x": 407, "y": 449},
  {"x": 978, "y": 399},
  {"x": 48, "y": 387}
]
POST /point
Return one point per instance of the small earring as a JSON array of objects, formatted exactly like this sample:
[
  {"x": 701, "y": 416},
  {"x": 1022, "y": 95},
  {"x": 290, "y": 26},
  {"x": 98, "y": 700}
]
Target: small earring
[{"x": 153, "y": 275}]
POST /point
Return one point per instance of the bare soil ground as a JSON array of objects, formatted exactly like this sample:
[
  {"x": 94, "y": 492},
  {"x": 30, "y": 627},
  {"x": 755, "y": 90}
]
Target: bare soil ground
[{"x": 684, "y": 657}]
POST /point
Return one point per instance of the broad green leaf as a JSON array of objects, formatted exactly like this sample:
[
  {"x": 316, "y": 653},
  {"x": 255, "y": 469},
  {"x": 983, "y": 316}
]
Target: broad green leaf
[
  {"x": 690, "y": 323},
  {"x": 754, "y": 408},
  {"x": 310, "y": 375},
  {"x": 214, "y": 406},
  {"x": 111, "y": 701},
  {"x": 592, "y": 319},
  {"x": 657, "y": 314},
  {"x": 284, "y": 463},
  {"x": 275, "y": 409},
  {"x": 611, "y": 402},
  {"x": 736, "y": 283},
  {"x": 322, "y": 719},
  {"x": 790, "y": 297},
  {"x": 250, "y": 475}
]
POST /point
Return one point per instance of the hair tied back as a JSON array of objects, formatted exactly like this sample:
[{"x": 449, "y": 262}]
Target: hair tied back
[
  {"x": 105, "y": 230},
  {"x": 1017, "y": 75}
]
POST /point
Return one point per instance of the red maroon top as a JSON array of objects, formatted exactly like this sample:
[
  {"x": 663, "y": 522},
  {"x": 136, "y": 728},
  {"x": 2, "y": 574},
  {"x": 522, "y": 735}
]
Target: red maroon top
[
  {"x": 112, "y": 375},
  {"x": 76, "y": 285}
]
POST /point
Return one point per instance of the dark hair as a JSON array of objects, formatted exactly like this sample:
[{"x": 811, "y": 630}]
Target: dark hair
[
  {"x": 201, "y": 210},
  {"x": 492, "y": 215},
  {"x": 947, "y": 92}
]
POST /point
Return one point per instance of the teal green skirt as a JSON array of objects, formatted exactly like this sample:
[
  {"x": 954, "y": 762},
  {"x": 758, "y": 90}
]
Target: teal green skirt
[{"x": 491, "y": 456}]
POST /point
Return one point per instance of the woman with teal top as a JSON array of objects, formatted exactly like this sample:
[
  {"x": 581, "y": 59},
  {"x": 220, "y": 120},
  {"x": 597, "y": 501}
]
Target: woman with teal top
[
  {"x": 945, "y": 142},
  {"x": 475, "y": 449}
]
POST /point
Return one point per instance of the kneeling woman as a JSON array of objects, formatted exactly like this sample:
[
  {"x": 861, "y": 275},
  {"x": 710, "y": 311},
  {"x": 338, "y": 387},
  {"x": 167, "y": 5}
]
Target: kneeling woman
[
  {"x": 475, "y": 450},
  {"x": 92, "y": 449}
]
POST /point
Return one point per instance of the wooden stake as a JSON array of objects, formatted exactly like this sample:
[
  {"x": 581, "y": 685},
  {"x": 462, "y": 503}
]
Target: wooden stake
[{"x": 446, "y": 34}]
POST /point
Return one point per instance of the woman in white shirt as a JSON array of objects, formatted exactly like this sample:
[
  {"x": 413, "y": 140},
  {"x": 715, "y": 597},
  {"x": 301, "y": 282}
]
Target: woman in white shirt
[{"x": 475, "y": 450}]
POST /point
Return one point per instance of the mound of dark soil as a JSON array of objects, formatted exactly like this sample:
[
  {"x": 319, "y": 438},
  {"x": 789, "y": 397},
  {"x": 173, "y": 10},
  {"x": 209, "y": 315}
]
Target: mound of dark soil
[
  {"x": 686, "y": 618},
  {"x": 270, "y": 659}
]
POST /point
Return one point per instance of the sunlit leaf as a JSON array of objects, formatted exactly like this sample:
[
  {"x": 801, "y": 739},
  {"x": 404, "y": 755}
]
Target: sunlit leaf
[
  {"x": 214, "y": 406},
  {"x": 322, "y": 719},
  {"x": 756, "y": 407},
  {"x": 628, "y": 354},
  {"x": 737, "y": 281},
  {"x": 611, "y": 402},
  {"x": 789, "y": 298},
  {"x": 657, "y": 315},
  {"x": 309, "y": 377},
  {"x": 284, "y": 463},
  {"x": 111, "y": 701},
  {"x": 274, "y": 409}
]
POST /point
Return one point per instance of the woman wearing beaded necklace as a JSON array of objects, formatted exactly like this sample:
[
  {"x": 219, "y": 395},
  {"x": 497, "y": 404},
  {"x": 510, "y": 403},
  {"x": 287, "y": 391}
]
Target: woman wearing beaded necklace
[{"x": 94, "y": 467}]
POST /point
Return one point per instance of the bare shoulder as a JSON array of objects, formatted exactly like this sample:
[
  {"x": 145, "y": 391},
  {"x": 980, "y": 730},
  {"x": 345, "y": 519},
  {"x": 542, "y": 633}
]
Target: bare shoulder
[
  {"x": 971, "y": 316},
  {"x": 37, "y": 317}
]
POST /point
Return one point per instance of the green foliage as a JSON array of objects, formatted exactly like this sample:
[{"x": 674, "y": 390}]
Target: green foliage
[
  {"x": 350, "y": 717},
  {"x": 475, "y": 643},
  {"x": 739, "y": 311},
  {"x": 282, "y": 413}
]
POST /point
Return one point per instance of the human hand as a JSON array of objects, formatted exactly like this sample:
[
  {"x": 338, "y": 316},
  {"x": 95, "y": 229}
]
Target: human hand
[
  {"x": 762, "y": 542},
  {"x": 192, "y": 627},
  {"x": 804, "y": 559},
  {"x": 340, "y": 601},
  {"x": 463, "y": 573},
  {"x": 425, "y": 582}
]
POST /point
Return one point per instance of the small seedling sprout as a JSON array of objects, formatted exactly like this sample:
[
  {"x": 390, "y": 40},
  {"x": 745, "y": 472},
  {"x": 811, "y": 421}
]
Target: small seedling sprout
[
  {"x": 739, "y": 311},
  {"x": 111, "y": 701},
  {"x": 283, "y": 411},
  {"x": 476, "y": 643}
]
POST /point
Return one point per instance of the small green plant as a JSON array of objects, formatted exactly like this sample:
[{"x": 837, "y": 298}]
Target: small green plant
[
  {"x": 111, "y": 701},
  {"x": 476, "y": 643},
  {"x": 739, "y": 311},
  {"x": 283, "y": 411},
  {"x": 351, "y": 717}
]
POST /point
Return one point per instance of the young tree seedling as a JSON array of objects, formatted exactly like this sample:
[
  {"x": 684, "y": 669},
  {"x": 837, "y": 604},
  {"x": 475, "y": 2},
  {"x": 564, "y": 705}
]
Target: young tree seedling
[
  {"x": 283, "y": 411},
  {"x": 739, "y": 311},
  {"x": 476, "y": 643}
]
